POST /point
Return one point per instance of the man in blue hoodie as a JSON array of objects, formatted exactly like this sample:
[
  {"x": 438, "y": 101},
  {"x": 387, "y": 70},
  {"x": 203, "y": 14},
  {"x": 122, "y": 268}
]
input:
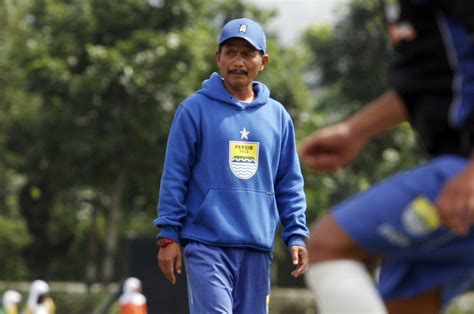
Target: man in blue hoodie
[{"x": 231, "y": 176}]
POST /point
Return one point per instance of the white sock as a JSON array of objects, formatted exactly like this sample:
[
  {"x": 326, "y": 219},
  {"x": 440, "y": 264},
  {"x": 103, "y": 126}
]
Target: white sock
[{"x": 343, "y": 287}]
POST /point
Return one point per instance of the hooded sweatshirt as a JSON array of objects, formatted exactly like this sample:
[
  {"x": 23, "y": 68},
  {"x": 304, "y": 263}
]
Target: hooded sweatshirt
[{"x": 231, "y": 172}]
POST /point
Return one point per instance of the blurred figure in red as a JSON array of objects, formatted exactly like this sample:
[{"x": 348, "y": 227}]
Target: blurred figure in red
[{"x": 132, "y": 301}]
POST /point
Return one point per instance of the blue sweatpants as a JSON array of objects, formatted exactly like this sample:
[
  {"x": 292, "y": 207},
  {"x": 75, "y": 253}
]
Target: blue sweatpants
[
  {"x": 227, "y": 280},
  {"x": 413, "y": 262}
]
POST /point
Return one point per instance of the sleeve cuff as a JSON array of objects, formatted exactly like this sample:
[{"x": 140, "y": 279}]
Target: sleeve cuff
[
  {"x": 296, "y": 241},
  {"x": 169, "y": 232}
]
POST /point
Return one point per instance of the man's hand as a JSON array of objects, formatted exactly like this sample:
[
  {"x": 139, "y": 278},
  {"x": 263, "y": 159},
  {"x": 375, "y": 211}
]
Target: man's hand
[
  {"x": 169, "y": 260},
  {"x": 299, "y": 257},
  {"x": 456, "y": 201},
  {"x": 331, "y": 148}
]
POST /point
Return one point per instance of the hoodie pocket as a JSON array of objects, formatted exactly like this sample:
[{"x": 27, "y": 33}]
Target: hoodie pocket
[{"x": 238, "y": 217}]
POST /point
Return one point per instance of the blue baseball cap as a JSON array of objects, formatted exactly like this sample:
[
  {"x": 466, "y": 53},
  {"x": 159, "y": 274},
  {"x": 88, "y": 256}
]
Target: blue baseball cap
[{"x": 247, "y": 29}]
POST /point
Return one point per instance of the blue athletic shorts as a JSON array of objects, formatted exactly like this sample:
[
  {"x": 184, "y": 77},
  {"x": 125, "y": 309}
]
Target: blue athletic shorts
[
  {"x": 227, "y": 280},
  {"x": 413, "y": 262}
]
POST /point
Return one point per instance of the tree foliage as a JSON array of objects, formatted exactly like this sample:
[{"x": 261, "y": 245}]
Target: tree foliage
[
  {"x": 94, "y": 89},
  {"x": 89, "y": 89}
]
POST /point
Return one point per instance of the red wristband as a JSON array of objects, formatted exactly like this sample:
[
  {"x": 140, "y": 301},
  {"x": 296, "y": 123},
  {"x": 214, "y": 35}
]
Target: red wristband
[{"x": 163, "y": 242}]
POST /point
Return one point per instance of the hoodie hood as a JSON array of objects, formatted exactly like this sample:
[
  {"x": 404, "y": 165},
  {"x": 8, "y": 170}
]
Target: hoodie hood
[{"x": 214, "y": 88}]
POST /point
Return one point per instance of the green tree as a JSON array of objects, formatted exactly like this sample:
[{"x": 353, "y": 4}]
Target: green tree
[
  {"x": 14, "y": 236},
  {"x": 98, "y": 84}
]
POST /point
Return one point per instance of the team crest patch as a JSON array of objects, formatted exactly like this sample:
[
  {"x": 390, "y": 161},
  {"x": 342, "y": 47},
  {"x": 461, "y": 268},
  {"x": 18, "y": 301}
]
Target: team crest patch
[{"x": 243, "y": 158}]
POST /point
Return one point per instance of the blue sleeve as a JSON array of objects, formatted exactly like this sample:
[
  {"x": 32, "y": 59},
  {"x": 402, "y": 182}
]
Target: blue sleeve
[
  {"x": 179, "y": 160},
  {"x": 289, "y": 191}
]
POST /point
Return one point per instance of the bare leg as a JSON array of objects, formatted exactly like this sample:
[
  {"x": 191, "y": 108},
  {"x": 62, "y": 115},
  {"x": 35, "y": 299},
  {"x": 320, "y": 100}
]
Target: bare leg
[
  {"x": 337, "y": 275},
  {"x": 426, "y": 303},
  {"x": 329, "y": 242}
]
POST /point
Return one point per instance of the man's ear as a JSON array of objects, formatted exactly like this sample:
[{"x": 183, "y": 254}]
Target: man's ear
[{"x": 265, "y": 60}]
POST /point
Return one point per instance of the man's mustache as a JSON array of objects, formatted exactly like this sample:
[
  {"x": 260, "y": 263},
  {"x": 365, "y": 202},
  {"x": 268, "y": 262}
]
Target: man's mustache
[{"x": 238, "y": 71}]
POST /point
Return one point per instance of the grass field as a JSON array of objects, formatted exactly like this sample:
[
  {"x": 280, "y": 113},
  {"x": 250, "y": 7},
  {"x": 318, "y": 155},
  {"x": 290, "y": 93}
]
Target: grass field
[{"x": 73, "y": 298}]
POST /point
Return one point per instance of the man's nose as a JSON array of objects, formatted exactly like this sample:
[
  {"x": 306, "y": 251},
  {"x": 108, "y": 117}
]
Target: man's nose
[{"x": 238, "y": 59}]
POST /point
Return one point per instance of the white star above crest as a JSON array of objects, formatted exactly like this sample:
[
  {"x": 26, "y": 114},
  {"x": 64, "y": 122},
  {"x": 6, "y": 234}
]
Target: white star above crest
[{"x": 244, "y": 134}]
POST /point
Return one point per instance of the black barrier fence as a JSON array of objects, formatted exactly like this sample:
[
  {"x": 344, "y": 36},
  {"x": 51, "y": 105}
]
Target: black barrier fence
[{"x": 162, "y": 296}]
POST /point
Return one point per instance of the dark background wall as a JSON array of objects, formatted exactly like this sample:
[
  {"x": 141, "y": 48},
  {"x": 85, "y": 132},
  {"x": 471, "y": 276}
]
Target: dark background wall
[{"x": 162, "y": 296}]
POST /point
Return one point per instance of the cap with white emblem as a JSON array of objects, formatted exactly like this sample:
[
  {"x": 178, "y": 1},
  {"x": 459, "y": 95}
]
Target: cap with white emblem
[{"x": 247, "y": 29}]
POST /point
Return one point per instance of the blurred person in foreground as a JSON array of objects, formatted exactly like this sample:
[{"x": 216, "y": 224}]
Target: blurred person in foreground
[
  {"x": 10, "y": 302},
  {"x": 231, "y": 176},
  {"x": 132, "y": 301},
  {"x": 39, "y": 301},
  {"x": 424, "y": 264}
]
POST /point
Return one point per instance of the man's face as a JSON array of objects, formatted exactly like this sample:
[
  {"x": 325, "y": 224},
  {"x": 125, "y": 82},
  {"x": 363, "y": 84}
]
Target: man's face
[{"x": 240, "y": 63}]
